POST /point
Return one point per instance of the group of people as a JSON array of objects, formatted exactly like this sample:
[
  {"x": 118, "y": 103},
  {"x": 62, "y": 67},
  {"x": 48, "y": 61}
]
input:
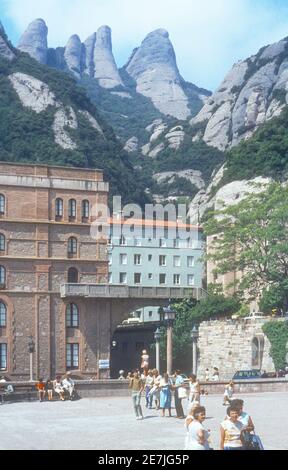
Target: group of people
[
  {"x": 159, "y": 388},
  {"x": 58, "y": 386},
  {"x": 235, "y": 429}
]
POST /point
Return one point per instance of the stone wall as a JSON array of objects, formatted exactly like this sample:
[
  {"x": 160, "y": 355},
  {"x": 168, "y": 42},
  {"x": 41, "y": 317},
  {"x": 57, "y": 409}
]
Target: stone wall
[{"x": 228, "y": 345}]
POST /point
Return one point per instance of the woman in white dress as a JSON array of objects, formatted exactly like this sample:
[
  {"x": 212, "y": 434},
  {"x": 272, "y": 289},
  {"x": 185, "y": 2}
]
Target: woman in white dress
[{"x": 197, "y": 436}]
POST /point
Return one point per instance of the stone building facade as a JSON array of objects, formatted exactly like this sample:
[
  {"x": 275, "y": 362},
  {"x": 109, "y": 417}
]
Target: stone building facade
[
  {"x": 45, "y": 219},
  {"x": 233, "y": 345}
]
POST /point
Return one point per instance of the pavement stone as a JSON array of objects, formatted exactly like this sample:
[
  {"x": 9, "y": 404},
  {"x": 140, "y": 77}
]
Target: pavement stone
[{"x": 109, "y": 424}]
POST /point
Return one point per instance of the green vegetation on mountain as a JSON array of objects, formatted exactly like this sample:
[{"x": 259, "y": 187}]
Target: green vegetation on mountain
[
  {"x": 277, "y": 333},
  {"x": 264, "y": 154},
  {"x": 26, "y": 136}
]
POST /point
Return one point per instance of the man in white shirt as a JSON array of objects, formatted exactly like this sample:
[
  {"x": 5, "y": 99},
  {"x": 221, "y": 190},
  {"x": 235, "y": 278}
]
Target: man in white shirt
[{"x": 69, "y": 385}]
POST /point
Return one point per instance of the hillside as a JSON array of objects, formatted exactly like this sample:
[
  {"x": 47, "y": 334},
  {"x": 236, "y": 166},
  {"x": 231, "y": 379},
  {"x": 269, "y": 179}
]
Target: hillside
[{"x": 46, "y": 117}]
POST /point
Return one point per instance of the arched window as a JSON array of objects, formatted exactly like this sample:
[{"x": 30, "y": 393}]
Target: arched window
[
  {"x": 59, "y": 207},
  {"x": 2, "y": 242},
  {"x": 2, "y": 276},
  {"x": 72, "y": 246},
  {"x": 73, "y": 276},
  {"x": 2, "y": 204},
  {"x": 72, "y": 316},
  {"x": 3, "y": 315},
  {"x": 85, "y": 209},
  {"x": 72, "y": 209}
]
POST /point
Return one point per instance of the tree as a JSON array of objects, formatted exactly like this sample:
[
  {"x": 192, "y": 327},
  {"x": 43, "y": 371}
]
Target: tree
[
  {"x": 252, "y": 239},
  {"x": 189, "y": 313}
]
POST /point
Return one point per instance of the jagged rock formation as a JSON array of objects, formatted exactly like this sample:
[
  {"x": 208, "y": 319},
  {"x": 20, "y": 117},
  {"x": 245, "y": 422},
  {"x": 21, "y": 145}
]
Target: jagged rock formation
[
  {"x": 155, "y": 70},
  {"x": 131, "y": 145},
  {"x": 106, "y": 70},
  {"x": 73, "y": 55},
  {"x": 34, "y": 41},
  {"x": 194, "y": 176},
  {"x": 229, "y": 194},
  {"x": 89, "y": 46},
  {"x": 253, "y": 91}
]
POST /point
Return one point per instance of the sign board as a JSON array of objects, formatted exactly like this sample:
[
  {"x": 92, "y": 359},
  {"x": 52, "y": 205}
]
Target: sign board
[{"x": 104, "y": 364}]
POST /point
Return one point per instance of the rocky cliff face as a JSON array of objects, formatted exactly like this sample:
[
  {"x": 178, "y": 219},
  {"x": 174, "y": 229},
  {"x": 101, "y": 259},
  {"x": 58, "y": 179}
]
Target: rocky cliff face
[
  {"x": 153, "y": 66},
  {"x": 253, "y": 92},
  {"x": 34, "y": 41},
  {"x": 5, "y": 49}
]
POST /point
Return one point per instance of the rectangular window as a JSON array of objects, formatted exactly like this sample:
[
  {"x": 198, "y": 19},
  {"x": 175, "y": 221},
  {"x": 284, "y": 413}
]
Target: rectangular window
[
  {"x": 72, "y": 356},
  {"x": 123, "y": 259},
  {"x": 176, "y": 279},
  {"x": 137, "y": 260},
  {"x": 150, "y": 276},
  {"x": 190, "y": 279},
  {"x": 122, "y": 240},
  {"x": 123, "y": 278},
  {"x": 190, "y": 261},
  {"x": 3, "y": 356},
  {"x": 177, "y": 261},
  {"x": 162, "y": 242},
  {"x": 162, "y": 278},
  {"x": 149, "y": 257},
  {"x": 137, "y": 278},
  {"x": 162, "y": 260},
  {"x": 110, "y": 278}
]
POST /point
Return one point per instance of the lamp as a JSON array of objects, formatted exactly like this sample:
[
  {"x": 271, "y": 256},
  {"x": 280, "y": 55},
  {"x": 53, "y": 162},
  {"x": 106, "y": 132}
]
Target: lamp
[{"x": 195, "y": 333}]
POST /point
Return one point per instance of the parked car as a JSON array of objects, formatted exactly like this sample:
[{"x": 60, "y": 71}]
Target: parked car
[{"x": 247, "y": 374}]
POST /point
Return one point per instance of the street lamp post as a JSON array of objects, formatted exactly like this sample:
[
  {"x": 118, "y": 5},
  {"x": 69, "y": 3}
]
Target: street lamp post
[
  {"x": 31, "y": 348},
  {"x": 194, "y": 337},
  {"x": 169, "y": 317},
  {"x": 157, "y": 336}
]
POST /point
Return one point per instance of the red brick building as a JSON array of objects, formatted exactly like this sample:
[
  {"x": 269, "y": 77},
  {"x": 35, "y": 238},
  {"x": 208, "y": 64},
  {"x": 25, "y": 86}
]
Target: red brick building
[{"x": 45, "y": 219}]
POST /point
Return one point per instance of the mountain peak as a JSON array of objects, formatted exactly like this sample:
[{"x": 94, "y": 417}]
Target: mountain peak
[
  {"x": 106, "y": 70},
  {"x": 154, "y": 67},
  {"x": 34, "y": 40}
]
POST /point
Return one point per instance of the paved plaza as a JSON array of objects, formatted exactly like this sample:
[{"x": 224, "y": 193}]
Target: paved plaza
[{"x": 109, "y": 423}]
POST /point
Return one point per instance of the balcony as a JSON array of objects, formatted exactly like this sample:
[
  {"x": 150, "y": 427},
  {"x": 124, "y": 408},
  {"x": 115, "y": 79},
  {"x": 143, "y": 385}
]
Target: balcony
[{"x": 108, "y": 291}]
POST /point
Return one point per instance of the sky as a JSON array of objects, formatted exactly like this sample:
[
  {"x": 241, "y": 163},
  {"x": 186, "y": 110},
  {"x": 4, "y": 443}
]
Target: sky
[{"x": 209, "y": 36}]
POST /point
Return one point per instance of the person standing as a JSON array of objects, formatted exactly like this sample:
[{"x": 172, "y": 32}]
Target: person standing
[
  {"x": 179, "y": 381},
  {"x": 228, "y": 393},
  {"x": 231, "y": 431},
  {"x": 165, "y": 394},
  {"x": 136, "y": 386},
  {"x": 148, "y": 387},
  {"x": 207, "y": 375},
  {"x": 197, "y": 435},
  {"x": 194, "y": 394},
  {"x": 155, "y": 388}
]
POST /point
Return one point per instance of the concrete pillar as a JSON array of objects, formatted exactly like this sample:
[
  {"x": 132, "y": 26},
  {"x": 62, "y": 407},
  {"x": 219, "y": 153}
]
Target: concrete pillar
[
  {"x": 194, "y": 357},
  {"x": 169, "y": 349},
  {"x": 158, "y": 355}
]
